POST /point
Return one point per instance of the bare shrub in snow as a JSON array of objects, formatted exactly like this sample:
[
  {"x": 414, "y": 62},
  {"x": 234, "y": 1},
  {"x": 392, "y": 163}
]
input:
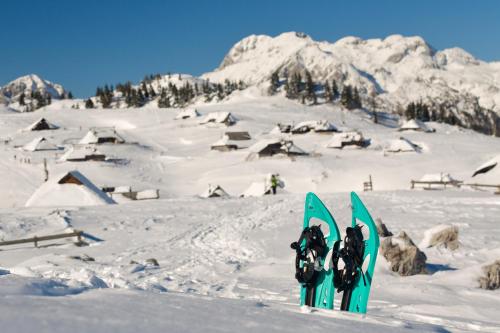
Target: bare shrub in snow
[
  {"x": 491, "y": 278},
  {"x": 443, "y": 235},
  {"x": 403, "y": 255}
]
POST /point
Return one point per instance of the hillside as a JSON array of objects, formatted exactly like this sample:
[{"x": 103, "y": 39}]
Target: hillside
[
  {"x": 389, "y": 74},
  {"x": 175, "y": 156},
  {"x": 399, "y": 69},
  {"x": 30, "y": 92}
]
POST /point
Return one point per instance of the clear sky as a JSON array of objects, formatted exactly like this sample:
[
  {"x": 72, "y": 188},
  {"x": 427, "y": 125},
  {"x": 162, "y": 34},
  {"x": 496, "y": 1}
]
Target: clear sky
[{"x": 82, "y": 44}]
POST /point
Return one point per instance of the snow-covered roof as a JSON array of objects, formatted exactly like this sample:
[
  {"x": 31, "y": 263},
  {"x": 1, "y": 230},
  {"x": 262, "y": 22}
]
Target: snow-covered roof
[
  {"x": 220, "y": 118},
  {"x": 281, "y": 128},
  {"x": 213, "y": 192},
  {"x": 401, "y": 145},
  {"x": 238, "y": 136},
  {"x": 39, "y": 143},
  {"x": 123, "y": 189},
  {"x": 238, "y": 140},
  {"x": 187, "y": 113},
  {"x": 41, "y": 124},
  {"x": 261, "y": 144},
  {"x": 314, "y": 125},
  {"x": 339, "y": 140},
  {"x": 438, "y": 177},
  {"x": 282, "y": 146},
  {"x": 487, "y": 166},
  {"x": 257, "y": 189},
  {"x": 80, "y": 153},
  {"x": 274, "y": 146},
  {"x": 68, "y": 189},
  {"x": 415, "y": 125},
  {"x": 101, "y": 135}
]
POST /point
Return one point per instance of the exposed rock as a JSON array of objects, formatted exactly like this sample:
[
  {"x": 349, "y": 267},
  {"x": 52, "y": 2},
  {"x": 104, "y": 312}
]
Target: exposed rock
[
  {"x": 443, "y": 235},
  {"x": 152, "y": 262},
  {"x": 491, "y": 279},
  {"x": 403, "y": 255},
  {"x": 83, "y": 257},
  {"x": 382, "y": 228}
]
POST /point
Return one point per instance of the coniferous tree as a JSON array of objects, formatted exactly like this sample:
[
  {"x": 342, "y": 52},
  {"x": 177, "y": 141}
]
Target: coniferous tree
[
  {"x": 152, "y": 92},
  {"x": 293, "y": 86},
  {"x": 410, "y": 111},
  {"x": 346, "y": 97},
  {"x": 373, "y": 105},
  {"x": 275, "y": 83},
  {"x": 220, "y": 91},
  {"x": 134, "y": 98},
  {"x": 89, "y": 104},
  {"x": 164, "y": 100},
  {"x": 70, "y": 95},
  {"x": 228, "y": 88},
  {"x": 141, "y": 98},
  {"x": 335, "y": 90},
  {"x": 21, "y": 99},
  {"x": 105, "y": 96},
  {"x": 425, "y": 113},
  {"x": 327, "y": 92},
  {"x": 40, "y": 100},
  {"x": 309, "y": 88},
  {"x": 356, "y": 99}
]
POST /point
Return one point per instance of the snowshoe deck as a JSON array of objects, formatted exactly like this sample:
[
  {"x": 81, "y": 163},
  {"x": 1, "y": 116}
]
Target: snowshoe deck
[{"x": 321, "y": 293}]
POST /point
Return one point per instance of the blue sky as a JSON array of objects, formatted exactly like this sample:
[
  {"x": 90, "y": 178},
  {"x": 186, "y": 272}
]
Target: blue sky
[{"x": 83, "y": 44}]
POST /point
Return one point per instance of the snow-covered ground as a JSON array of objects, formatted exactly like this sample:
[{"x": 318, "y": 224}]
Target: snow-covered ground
[{"x": 226, "y": 264}]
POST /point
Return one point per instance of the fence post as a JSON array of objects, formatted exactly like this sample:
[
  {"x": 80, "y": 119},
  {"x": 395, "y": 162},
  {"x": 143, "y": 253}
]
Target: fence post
[{"x": 35, "y": 240}]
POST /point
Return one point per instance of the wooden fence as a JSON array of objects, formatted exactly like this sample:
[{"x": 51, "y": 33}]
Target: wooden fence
[
  {"x": 36, "y": 239},
  {"x": 428, "y": 184},
  {"x": 368, "y": 186},
  {"x": 474, "y": 185}
]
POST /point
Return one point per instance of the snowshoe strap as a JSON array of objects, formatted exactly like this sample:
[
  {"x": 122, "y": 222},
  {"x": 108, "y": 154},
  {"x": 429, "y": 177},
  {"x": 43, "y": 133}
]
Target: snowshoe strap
[
  {"x": 352, "y": 256},
  {"x": 307, "y": 259}
]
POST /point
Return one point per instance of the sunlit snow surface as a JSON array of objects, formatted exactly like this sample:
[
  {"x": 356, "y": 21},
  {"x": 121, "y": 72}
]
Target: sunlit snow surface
[{"x": 226, "y": 264}]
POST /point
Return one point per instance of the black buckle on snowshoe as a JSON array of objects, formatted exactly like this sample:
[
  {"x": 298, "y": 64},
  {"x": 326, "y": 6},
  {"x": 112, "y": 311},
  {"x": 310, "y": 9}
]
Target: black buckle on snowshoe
[{"x": 307, "y": 256}]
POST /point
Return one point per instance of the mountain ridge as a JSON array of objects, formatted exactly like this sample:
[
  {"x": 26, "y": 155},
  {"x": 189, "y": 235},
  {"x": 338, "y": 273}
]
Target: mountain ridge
[
  {"x": 399, "y": 69},
  {"x": 389, "y": 73}
]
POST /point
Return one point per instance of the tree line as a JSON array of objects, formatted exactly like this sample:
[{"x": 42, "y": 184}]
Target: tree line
[
  {"x": 305, "y": 89},
  {"x": 480, "y": 119},
  {"x": 36, "y": 100},
  {"x": 165, "y": 96}
]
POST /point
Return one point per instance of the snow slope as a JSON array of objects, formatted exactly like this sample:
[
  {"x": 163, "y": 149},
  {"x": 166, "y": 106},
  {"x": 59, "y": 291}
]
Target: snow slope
[
  {"x": 230, "y": 258},
  {"x": 28, "y": 84},
  {"x": 174, "y": 156},
  {"x": 226, "y": 262}
]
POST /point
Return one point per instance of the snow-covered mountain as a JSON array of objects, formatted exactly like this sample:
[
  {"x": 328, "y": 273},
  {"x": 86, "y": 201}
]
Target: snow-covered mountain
[
  {"x": 28, "y": 84},
  {"x": 398, "y": 69}
]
